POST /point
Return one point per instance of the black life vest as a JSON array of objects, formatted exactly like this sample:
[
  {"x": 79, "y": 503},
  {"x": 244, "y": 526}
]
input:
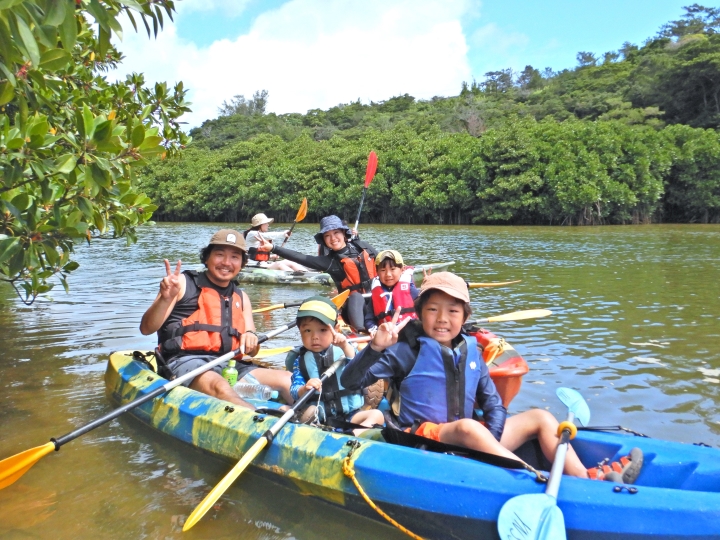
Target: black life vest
[{"x": 359, "y": 269}]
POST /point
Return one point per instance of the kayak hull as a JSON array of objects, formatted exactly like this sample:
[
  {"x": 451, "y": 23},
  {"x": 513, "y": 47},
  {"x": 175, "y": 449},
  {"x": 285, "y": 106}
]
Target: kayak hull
[
  {"x": 256, "y": 274},
  {"x": 438, "y": 495}
]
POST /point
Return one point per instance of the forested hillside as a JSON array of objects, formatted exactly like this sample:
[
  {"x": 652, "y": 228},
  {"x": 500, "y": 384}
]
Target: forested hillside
[{"x": 628, "y": 136}]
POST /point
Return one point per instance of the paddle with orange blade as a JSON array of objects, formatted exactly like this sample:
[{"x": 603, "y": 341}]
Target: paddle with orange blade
[
  {"x": 302, "y": 212},
  {"x": 369, "y": 175},
  {"x": 12, "y": 468}
]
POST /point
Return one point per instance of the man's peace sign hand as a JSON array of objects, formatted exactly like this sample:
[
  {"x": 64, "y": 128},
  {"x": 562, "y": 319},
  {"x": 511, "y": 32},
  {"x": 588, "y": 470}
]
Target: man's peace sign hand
[{"x": 170, "y": 284}]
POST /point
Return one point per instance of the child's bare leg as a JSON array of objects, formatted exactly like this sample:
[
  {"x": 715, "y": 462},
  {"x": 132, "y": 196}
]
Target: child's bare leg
[
  {"x": 472, "y": 434},
  {"x": 295, "y": 266},
  {"x": 367, "y": 418},
  {"x": 540, "y": 424}
]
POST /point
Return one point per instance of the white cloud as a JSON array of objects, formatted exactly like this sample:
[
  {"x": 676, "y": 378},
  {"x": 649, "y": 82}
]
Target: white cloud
[{"x": 315, "y": 54}]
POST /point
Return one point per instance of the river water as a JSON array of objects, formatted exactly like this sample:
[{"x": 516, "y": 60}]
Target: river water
[{"x": 635, "y": 328}]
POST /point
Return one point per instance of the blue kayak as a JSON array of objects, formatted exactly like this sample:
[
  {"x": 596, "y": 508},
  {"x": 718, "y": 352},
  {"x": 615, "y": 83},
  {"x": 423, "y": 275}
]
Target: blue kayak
[{"x": 438, "y": 495}]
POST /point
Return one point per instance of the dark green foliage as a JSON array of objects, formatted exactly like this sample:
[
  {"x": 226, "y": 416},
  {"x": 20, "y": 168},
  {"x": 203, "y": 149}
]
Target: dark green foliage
[
  {"x": 615, "y": 140},
  {"x": 69, "y": 139}
]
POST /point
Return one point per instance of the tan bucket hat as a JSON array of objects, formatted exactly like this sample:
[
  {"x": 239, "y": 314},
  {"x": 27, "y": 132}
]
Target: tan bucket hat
[
  {"x": 260, "y": 219},
  {"x": 446, "y": 282},
  {"x": 229, "y": 237}
]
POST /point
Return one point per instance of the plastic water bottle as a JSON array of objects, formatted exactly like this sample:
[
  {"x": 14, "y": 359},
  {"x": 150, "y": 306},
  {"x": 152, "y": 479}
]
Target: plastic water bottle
[
  {"x": 255, "y": 391},
  {"x": 230, "y": 373}
]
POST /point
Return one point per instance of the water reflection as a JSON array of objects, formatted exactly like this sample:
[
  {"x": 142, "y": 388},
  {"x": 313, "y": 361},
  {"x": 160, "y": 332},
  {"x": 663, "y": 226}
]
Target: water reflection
[{"x": 635, "y": 329}]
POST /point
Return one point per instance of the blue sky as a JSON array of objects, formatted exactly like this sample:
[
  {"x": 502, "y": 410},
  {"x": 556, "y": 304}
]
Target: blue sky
[{"x": 319, "y": 53}]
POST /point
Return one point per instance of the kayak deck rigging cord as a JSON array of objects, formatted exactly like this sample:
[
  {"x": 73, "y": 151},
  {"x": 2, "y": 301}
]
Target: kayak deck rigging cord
[{"x": 349, "y": 471}]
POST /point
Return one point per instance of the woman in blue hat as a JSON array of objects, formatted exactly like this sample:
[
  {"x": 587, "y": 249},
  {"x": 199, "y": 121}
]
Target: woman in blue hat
[{"x": 349, "y": 261}]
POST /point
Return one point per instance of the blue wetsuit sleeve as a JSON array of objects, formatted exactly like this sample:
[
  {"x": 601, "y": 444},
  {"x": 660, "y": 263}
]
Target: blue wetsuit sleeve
[
  {"x": 369, "y": 366},
  {"x": 297, "y": 381},
  {"x": 370, "y": 321},
  {"x": 494, "y": 414},
  {"x": 414, "y": 290}
]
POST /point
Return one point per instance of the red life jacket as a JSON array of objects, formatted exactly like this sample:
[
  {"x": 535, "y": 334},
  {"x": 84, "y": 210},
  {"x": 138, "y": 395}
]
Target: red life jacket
[
  {"x": 214, "y": 327},
  {"x": 359, "y": 272},
  {"x": 399, "y": 297}
]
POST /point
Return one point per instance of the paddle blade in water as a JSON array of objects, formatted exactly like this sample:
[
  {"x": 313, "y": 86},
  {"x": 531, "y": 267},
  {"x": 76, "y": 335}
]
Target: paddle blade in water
[
  {"x": 521, "y": 315},
  {"x": 302, "y": 212},
  {"x": 531, "y": 517},
  {"x": 576, "y": 404},
  {"x": 224, "y": 484},
  {"x": 371, "y": 168},
  {"x": 496, "y": 284},
  {"x": 15, "y": 466}
]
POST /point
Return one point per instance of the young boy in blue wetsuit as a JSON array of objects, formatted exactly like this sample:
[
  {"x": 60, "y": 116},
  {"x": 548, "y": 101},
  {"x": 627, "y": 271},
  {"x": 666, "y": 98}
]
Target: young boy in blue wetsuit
[
  {"x": 440, "y": 382},
  {"x": 392, "y": 288},
  {"x": 321, "y": 347}
]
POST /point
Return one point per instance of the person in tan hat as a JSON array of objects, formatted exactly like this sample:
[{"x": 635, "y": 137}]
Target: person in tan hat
[
  {"x": 257, "y": 234},
  {"x": 441, "y": 375},
  {"x": 212, "y": 301}
]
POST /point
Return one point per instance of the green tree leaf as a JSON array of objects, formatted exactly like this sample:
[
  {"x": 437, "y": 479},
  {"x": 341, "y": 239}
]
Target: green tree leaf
[
  {"x": 7, "y": 92},
  {"x": 55, "y": 59},
  {"x": 65, "y": 164},
  {"x": 55, "y": 14},
  {"x": 68, "y": 28},
  {"x": 28, "y": 40},
  {"x": 8, "y": 248}
]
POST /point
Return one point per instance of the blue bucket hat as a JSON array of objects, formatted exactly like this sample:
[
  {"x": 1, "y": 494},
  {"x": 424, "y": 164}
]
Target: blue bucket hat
[{"x": 330, "y": 223}]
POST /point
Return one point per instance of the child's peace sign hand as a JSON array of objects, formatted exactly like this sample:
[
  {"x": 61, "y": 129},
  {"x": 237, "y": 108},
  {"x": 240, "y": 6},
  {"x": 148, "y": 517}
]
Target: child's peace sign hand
[
  {"x": 170, "y": 284},
  {"x": 387, "y": 332},
  {"x": 339, "y": 338}
]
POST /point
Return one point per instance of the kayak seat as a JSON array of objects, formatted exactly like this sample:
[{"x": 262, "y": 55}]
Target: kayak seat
[{"x": 672, "y": 475}]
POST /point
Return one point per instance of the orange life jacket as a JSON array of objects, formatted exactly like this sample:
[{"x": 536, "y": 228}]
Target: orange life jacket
[
  {"x": 359, "y": 272},
  {"x": 214, "y": 327},
  {"x": 261, "y": 256}
]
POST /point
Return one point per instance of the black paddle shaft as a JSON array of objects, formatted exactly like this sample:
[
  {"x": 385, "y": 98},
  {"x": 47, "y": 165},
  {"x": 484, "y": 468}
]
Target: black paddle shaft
[
  {"x": 362, "y": 201},
  {"x": 289, "y": 233},
  {"x": 143, "y": 399}
]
